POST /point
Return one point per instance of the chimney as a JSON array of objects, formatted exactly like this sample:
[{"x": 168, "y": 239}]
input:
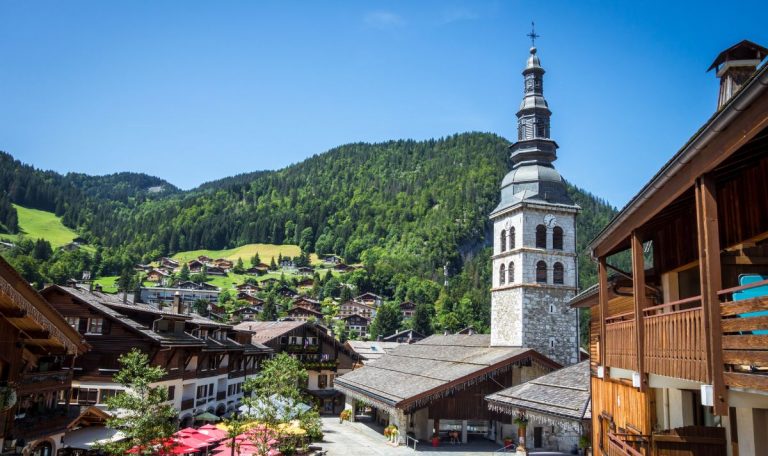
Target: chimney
[
  {"x": 734, "y": 66},
  {"x": 176, "y": 303}
]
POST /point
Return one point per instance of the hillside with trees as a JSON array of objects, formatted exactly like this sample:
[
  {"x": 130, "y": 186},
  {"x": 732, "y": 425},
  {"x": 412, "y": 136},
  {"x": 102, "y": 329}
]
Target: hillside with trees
[{"x": 404, "y": 209}]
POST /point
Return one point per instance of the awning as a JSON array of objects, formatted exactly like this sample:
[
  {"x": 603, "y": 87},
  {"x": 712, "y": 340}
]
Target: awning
[{"x": 84, "y": 438}]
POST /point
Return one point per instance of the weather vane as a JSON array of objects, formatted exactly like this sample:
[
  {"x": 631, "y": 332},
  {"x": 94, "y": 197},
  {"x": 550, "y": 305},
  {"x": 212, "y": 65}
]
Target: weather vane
[{"x": 533, "y": 35}]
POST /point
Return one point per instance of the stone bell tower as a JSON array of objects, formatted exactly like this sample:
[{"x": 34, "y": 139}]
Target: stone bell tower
[{"x": 534, "y": 231}]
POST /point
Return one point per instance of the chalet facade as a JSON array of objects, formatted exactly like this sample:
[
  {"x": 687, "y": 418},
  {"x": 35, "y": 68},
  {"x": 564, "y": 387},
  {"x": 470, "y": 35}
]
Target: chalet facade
[
  {"x": 370, "y": 299},
  {"x": 206, "y": 361},
  {"x": 248, "y": 313},
  {"x": 679, "y": 350},
  {"x": 350, "y": 308},
  {"x": 307, "y": 303},
  {"x": 324, "y": 357},
  {"x": 359, "y": 324},
  {"x": 304, "y": 314},
  {"x": 407, "y": 308},
  {"x": 36, "y": 359},
  {"x": 164, "y": 296}
]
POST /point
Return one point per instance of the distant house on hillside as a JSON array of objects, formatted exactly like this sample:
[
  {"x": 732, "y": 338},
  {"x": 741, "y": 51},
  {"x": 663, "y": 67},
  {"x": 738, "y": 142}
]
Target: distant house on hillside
[
  {"x": 306, "y": 282},
  {"x": 305, "y": 270},
  {"x": 248, "y": 287},
  {"x": 304, "y": 314},
  {"x": 142, "y": 267},
  {"x": 204, "y": 259},
  {"x": 157, "y": 275},
  {"x": 223, "y": 263},
  {"x": 168, "y": 263},
  {"x": 259, "y": 269},
  {"x": 195, "y": 266},
  {"x": 407, "y": 308},
  {"x": 189, "y": 285},
  {"x": 370, "y": 299},
  {"x": 341, "y": 267},
  {"x": 332, "y": 259},
  {"x": 251, "y": 299},
  {"x": 358, "y": 324},
  {"x": 307, "y": 303},
  {"x": 215, "y": 271},
  {"x": 287, "y": 292},
  {"x": 248, "y": 313},
  {"x": 355, "y": 307}
]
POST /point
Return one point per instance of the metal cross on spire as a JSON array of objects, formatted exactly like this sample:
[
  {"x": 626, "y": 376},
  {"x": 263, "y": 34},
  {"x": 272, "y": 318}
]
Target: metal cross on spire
[{"x": 533, "y": 35}]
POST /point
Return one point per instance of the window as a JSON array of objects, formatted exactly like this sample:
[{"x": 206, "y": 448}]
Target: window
[
  {"x": 211, "y": 390},
  {"x": 512, "y": 238},
  {"x": 105, "y": 394},
  {"x": 503, "y": 237},
  {"x": 212, "y": 364},
  {"x": 557, "y": 238},
  {"x": 96, "y": 325},
  {"x": 74, "y": 322},
  {"x": 171, "y": 392},
  {"x": 502, "y": 274},
  {"x": 511, "y": 272},
  {"x": 551, "y": 308},
  {"x": 284, "y": 340},
  {"x": 322, "y": 381},
  {"x": 541, "y": 272},
  {"x": 330, "y": 380},
  {"x": 541, "y": 237},
  {"x": 84, "y": 396},
  {"x": 558, "y": 274},
  {"x": 551, "y": 342}
]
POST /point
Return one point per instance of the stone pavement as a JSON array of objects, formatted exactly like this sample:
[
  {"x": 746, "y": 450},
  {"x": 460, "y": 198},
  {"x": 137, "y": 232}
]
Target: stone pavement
[{"x": 353, "y": 439}]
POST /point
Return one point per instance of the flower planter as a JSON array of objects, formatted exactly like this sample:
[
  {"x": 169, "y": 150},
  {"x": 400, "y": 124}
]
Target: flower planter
[{"x": 435, "y": 441}]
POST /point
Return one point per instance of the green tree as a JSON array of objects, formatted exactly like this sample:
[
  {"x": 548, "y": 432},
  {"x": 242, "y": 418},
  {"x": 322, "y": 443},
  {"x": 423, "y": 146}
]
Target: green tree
[
  {"x": 43, "y": 250},
  {"x": 269, "y": 311},
  {"x": 145, "y": 417},
  {"x": 184, "y": 272},
  {"x": 422, "y": 321},
  {"x": 239, "y": 266},
  {"x": 281, "y": 377},
  {"x": 272, "y": 264},
  {"x": 306, "y": 241},
  {"x": 387, "y": 320}
]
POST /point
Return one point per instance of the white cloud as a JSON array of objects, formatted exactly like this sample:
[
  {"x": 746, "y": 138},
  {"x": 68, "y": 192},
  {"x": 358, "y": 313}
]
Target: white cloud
[{"x": 383, "y": 19}]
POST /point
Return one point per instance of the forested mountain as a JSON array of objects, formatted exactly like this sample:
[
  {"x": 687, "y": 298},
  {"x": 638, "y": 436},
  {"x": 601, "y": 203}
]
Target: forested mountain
[{"x": 403, "y": 208}]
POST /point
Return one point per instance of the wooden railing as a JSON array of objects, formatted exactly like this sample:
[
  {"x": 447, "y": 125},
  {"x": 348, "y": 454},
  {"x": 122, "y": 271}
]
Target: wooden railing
[
  {"x": 745, "y": 342},
  {"x": 620, "y": 348},
  {"x": 619, "y": 446},
  {"x": 674, "y": 342}
]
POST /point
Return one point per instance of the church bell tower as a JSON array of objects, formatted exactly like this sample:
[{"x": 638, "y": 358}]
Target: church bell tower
[{"x": 534, "y": 232}]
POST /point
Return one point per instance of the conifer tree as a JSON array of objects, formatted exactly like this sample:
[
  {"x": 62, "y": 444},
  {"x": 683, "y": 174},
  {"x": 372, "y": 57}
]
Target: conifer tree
[{"x": 184, "y": 272}]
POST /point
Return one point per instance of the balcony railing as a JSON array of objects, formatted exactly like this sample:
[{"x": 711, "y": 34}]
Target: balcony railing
[
  {"x": 745, "y": 339},
  {"x": 620, "y": 341},
  {"x": 626, "y": 445},
  {"x": 40, "y": 381},
  {"x": 48, "y": 422},
  {"x": 674, "y": 342}
]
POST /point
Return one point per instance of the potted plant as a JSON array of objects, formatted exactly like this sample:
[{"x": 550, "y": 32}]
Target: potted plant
[
  {"x": 522, "y": 423},
  {"x": 435, "y": 439},
  {"x": 7, "y": 398},
  {"x": 584, "y": 443},
  {"x": 508, "y": 441}
]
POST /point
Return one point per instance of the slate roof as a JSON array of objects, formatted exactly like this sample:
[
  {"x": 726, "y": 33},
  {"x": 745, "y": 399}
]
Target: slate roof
[
  {"x": 563, "y": 393},
  {"x": 417, "y": 373},
  {"x": 115, "y": 301},
  {"x": 371, "y": 350},
  {"x": 266, "y": 331},
  {"x": 163, "y": 338}
]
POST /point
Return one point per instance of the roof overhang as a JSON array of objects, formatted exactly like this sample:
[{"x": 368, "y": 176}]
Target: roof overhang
[{"x": 736, "y": 123}]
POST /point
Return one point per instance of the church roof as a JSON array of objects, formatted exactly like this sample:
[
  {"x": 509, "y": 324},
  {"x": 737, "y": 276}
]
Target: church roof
[
  {"x": 562, "y": 394},
  {"x": 412, "y": 375}
]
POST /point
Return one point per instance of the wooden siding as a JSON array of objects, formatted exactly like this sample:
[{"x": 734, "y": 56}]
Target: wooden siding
[
  {"x": 470, "y": 404},
  {"x": 629, "y": 409}
]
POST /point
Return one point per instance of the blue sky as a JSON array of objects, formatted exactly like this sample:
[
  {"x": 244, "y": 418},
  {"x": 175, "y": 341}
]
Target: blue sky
[{"x": 194, "y": 91}]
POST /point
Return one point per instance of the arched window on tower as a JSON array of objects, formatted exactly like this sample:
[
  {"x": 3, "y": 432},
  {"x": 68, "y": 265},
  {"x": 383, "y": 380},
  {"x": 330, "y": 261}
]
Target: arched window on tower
[
  {"x": 557, "y": 238},
  {"x": 541, "y": 237},
  {"x": 558, "y": 273},
  {"x": 503, "y": 240},
  {"x": 502, "y": 274},
  {"x": 511, "y": 272},
  {"x": 512, "y": 238},
  {"x": 541, "y": 272}
]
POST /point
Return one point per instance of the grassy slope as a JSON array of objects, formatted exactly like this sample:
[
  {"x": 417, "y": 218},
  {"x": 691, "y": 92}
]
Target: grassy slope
[
  {"x": 266, "y": 252},
  {"x": 37, "y": 224}
]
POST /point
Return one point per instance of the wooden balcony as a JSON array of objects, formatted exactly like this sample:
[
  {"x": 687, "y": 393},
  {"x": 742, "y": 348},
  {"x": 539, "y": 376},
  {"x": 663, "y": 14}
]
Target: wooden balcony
[
  {"x": 44, "y": 381},
  {"x": 45, "y": 423},
  {"x": 674, "y": 342},
  {"x": 745, "y": 340},
  {"x": 620, "y": 342}
]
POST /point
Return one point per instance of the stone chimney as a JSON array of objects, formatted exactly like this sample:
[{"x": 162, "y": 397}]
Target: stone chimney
[
  {"x": 176, "y": 303},
  {"x": 734, "y": 66}
]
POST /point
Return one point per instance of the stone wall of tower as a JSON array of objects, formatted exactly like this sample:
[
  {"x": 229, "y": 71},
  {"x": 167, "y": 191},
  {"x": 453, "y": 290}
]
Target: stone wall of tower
[{"x": 527, "y": 313}]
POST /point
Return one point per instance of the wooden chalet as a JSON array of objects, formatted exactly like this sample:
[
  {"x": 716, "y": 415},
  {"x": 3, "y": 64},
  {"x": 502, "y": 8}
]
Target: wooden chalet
[
  {"x": 324, "y": 357},
  {"x": 169, "y": 263},
  {"x": 678, "y": 335},
  {"x": 36, "y": 359},
  {"x": 370, "y": 299},
  {"x": 195, "y": 266},
  {"x": 306, "y": 282},
  {"x": 259, "y": 269},
  {"x": 407, "y": 308},
  {"x": 358, "y": 324},
  {"x": 307, "y": 303},
  {"x": 216, "y": 271},
  {"x": 435, "y": 386},
  {"x": 157, "y": 275},
  {"x": 304, "y": 314},
  {"x": 305, "y": 270},
  {"x": 206, "y": 362},
  {"x": 249, "y": 287},
  {"x": 205, "y": 259},
  {"x": 556, "y": 405},
  {"x": 251, "y": 299},
  {"x": 223, "y": 263},
  {"x": 287, "y": 292},
  {"x": 341, "y": 267},
  {"x": 353, "y": 307},
  {"x": 247, "y": 313}
]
